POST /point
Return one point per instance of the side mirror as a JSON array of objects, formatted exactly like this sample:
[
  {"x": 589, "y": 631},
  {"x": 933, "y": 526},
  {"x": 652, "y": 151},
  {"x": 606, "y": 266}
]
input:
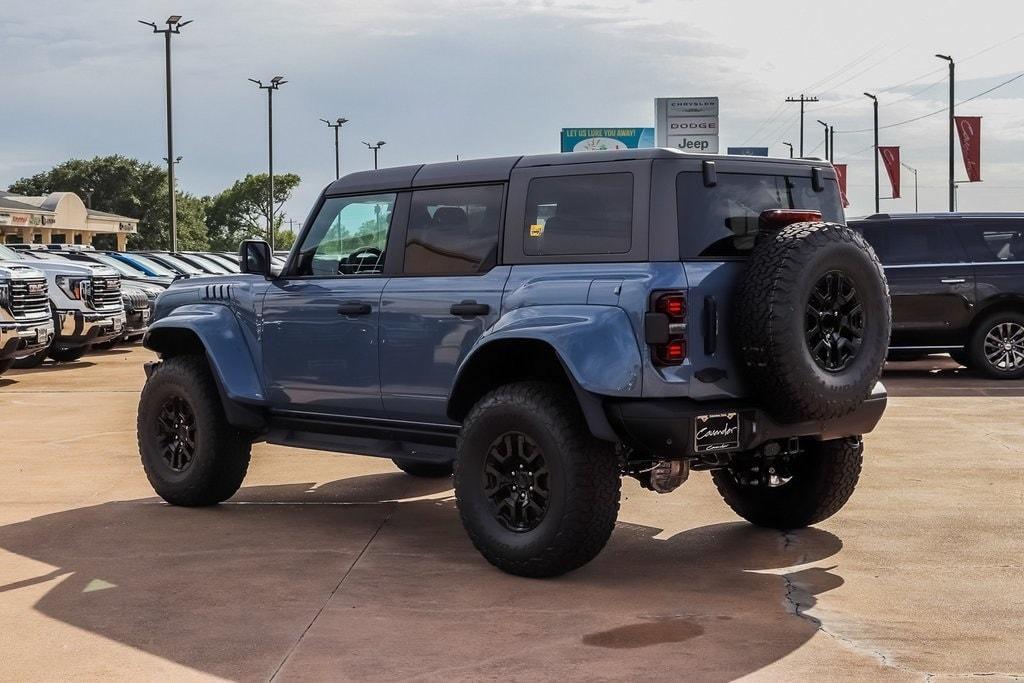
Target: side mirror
[{"x": 254, "y": 257}]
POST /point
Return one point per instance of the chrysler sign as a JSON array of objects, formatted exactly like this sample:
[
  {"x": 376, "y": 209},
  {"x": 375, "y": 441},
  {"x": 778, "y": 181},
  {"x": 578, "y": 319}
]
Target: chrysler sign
[{"x": 687, "y": 123}]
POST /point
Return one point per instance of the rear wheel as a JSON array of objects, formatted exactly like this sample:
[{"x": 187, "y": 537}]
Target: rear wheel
[
  {"x": 795, "y": 492},
  {"x": 537, "y": 493},
  {"x": 429, "y": 470},
  {"x": 67, "y": 354},
  {"x": 190, "y": 453},
  {"x": 997, "y": 346}
]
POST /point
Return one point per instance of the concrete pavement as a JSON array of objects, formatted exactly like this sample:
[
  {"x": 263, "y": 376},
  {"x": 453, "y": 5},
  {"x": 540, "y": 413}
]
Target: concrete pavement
[{"x": 338, "y": 567}]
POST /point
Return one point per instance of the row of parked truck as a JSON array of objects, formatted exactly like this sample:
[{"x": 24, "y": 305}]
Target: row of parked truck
[{"x": 60, "y": 301}]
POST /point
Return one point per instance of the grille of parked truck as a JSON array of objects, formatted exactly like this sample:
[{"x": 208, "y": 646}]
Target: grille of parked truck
[
  {"x": 541, "y": 326},
  {"x": 25, "y": 322}
]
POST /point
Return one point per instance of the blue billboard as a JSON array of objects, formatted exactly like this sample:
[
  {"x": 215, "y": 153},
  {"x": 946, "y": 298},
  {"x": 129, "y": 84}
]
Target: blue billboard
[
  {"x": 748, "y": 151},
  {"x": 599, "y": 139}
]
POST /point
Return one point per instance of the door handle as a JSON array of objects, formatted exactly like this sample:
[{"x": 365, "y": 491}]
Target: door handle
[
  {"x": 953, "y": 280},
  {"x": 469, "y": 309},
  {"x": 354, "y": 308}
]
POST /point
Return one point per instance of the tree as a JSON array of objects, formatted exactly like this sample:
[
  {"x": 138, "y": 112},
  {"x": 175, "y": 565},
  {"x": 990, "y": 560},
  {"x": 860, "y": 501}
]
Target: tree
[
  {"x": 240, "y": 211},
  {"x": 192, "y": 234},
  {"x": 116, "y": 184}
]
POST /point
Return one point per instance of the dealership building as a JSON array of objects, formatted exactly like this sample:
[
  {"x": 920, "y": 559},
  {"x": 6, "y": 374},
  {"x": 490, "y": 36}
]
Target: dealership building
[{"x": 61, "y": 218}]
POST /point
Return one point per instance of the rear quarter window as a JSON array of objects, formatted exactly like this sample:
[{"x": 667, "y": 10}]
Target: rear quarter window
[
  {"x": 722, "y": 221},
  {"x": 579, "y": 214}
]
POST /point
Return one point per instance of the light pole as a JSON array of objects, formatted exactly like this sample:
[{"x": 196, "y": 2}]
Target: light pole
[
  {"x": 275, "y": 83},
  {"x": 375, "y": 148},
  {"x": 914, "y": 171},
  {"x": 790, "y": 145},
  {"x": 952, "y": 113},
  {"x": 826, "y": 139},
  {"x": 174, "y": 25},
  {"x": 337, "y": 158},
  {"x": 874, "y": 101}
]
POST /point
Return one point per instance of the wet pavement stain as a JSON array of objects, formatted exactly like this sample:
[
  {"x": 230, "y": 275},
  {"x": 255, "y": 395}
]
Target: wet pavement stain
[{"x": 654, "y": 632}]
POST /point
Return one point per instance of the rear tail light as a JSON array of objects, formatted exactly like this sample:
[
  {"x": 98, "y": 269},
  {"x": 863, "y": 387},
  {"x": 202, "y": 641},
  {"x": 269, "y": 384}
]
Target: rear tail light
[
  {"x": 665, "y": 328},
  {"x": 780, "y": 218}
]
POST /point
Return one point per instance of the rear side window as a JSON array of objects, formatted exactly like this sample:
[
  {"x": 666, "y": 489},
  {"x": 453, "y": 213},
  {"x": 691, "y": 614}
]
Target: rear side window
[
  {"x": 453, "y": 231},
  {"x": 722, "y": 221},
  {"x": 579, "y": 214},
  {"x": 912, "y": 242},
  {"x": 993, "y": 240}
]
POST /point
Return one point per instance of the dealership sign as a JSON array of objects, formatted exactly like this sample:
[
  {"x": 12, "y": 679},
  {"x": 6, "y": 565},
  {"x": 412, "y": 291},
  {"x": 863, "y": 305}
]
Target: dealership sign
[
  {"x": 687, "y": 123},
  {"x": 599, "y": 139}
]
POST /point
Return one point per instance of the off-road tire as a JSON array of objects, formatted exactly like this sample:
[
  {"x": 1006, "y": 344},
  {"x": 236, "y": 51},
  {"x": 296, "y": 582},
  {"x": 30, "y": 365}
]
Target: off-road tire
[
  {"x": 771, "y": 316},
  {"x": 976, "y": 348},
  {"x": 5, "y": 365},
  {"x": 33, "y": 361},
  {"x": 823, "y": 480},
  {"x": 584, "y": 481},
  {"x": 66, "y": 354},
  {"x": 222, "y": 452},
  {"x": 427, "y": 470}
]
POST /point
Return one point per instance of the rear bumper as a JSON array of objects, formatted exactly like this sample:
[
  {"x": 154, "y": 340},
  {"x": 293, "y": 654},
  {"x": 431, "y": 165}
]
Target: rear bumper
[
  {"x": 78, "y": 328},
  {"x": 665, "y": 427},
  {"x": 18, "y": 340}
]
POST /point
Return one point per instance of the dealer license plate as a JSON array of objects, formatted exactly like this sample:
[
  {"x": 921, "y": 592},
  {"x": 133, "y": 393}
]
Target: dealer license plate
[{"x": 716, "y": 432}]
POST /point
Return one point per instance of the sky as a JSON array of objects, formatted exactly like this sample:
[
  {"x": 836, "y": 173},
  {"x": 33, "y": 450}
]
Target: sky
[{"x": 441, "y": 79}]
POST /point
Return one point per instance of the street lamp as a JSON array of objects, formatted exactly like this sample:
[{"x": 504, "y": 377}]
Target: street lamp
[
  {"x": 827, "y": 158},
  {"x": 790, "y": 145},
  {"x": 914, "y": 171},
  {"x": 174, "y": 25},
  {"x": 275, "y": 83},
  {"x": 952, "y": 78},
  {"x": 375, "y": 148},
  {"x": 336, "y": 126},
  {"x": 875, "y": 106}
]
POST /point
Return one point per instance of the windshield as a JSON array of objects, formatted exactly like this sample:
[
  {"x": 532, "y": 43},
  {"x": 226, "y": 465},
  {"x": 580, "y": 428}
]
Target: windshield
[
  {"x": 8, "y": 254},
  {"x": 148, "y": 263},
  {"x": 207, "y": 263},
  {"x": 179, "y": 264},
  {"x": 119, "y": 266}
]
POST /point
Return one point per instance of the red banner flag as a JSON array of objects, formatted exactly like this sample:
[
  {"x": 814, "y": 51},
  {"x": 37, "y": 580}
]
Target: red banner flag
[
  {"x": 891, "y": 159},
  {"x": 969, "y": 128},
  {"x": 841, "y": 177}
]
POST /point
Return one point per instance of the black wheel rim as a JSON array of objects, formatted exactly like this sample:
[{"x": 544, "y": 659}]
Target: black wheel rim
[
  {"x": 176, "y": 431},
  {"x": 516, "y": 481},
  {"x": 1004, "y": 346},
  {"x": 834, "y": 322}
]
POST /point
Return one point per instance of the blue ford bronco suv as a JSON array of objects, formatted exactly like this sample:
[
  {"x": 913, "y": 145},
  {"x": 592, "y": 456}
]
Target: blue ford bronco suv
[{"x": 542, "y": 325}]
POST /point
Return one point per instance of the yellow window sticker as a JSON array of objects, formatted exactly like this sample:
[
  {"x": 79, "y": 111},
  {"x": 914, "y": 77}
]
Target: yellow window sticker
[{"x": 537, "y": 230}]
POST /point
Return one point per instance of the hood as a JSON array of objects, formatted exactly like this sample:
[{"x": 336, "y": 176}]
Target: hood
[
  {"x": 73, "y": 268},
  {"x": 152, "y": 291},
  {"x": 16, "y": 270}
]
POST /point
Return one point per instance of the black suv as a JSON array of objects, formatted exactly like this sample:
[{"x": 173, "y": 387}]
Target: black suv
[{"x": 957, "y": 286}]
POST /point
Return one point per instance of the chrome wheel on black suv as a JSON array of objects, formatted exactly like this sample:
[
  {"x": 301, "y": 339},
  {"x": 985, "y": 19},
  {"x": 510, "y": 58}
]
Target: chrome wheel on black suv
[{"x": 997, "y": 346}]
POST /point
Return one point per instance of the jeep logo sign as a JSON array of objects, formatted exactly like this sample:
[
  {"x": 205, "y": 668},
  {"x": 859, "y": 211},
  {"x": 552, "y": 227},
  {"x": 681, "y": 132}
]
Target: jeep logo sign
[{"x": 687, "y": 123}]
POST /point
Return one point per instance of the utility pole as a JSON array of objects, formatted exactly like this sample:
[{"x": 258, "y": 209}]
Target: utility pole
[
  {"x": 174, "y": 25},
  {"x": 275, "y": 83},
  {"x": 952, "y": 125},
  {"x": 874, "y": 101},
  {"x": 914, "y": 171},
  {"x": 375, "y": 148},
  {"x": 832, "y": 144},
  {"x": 337, "y": 158},
  {"x": 790, "y": 145},
  {"x": 827, "y": 158},
  {"x": 802, "y": 100}
]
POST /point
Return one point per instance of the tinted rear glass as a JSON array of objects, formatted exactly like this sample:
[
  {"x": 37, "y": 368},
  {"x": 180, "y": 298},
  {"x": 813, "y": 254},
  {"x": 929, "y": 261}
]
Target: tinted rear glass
[
  {"x": 722, "y": 221},
  {"x": 579, "y": 214}
]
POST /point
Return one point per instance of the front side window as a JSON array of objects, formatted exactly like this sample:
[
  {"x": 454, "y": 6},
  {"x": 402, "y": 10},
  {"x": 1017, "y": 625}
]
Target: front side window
[
  {"x": 722, "y": 221},
  {"x": 348, "y": 237},
  {"x": 453, "y": 231},
  {"x": 579, "y": 214},
  {"x": 998, "y": 241}
]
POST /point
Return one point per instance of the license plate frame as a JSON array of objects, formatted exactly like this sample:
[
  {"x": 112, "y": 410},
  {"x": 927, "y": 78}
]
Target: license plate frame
[{"x": 716, "y": 432}]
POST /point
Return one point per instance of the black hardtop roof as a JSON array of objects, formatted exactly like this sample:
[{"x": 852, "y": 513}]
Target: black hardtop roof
[
  {"x": 498, "y": 169},
  {"x": 955, "y": 215}
]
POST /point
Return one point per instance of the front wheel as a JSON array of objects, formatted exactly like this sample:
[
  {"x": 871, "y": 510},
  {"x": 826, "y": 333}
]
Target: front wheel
[
  {"x": 5, "y": 365},
  {"x": 793, "y": 491},
  {"x": 32, "y": 361},
  {"x": 537, "y": 493},
  {"x": 67, "y": 354},
  {"x": 190, "y": 453},
  {"x": 997, "y": 346}
]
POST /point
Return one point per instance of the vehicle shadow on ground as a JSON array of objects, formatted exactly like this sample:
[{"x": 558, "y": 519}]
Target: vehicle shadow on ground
[
  {"x": 229, "y": 590},
  {"x": 50, "y": 366},
  {"x": 942, "y": 376}
]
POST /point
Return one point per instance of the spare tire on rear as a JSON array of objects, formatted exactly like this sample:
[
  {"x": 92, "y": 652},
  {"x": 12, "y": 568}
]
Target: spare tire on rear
[{"x": 812, "y": 319}]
